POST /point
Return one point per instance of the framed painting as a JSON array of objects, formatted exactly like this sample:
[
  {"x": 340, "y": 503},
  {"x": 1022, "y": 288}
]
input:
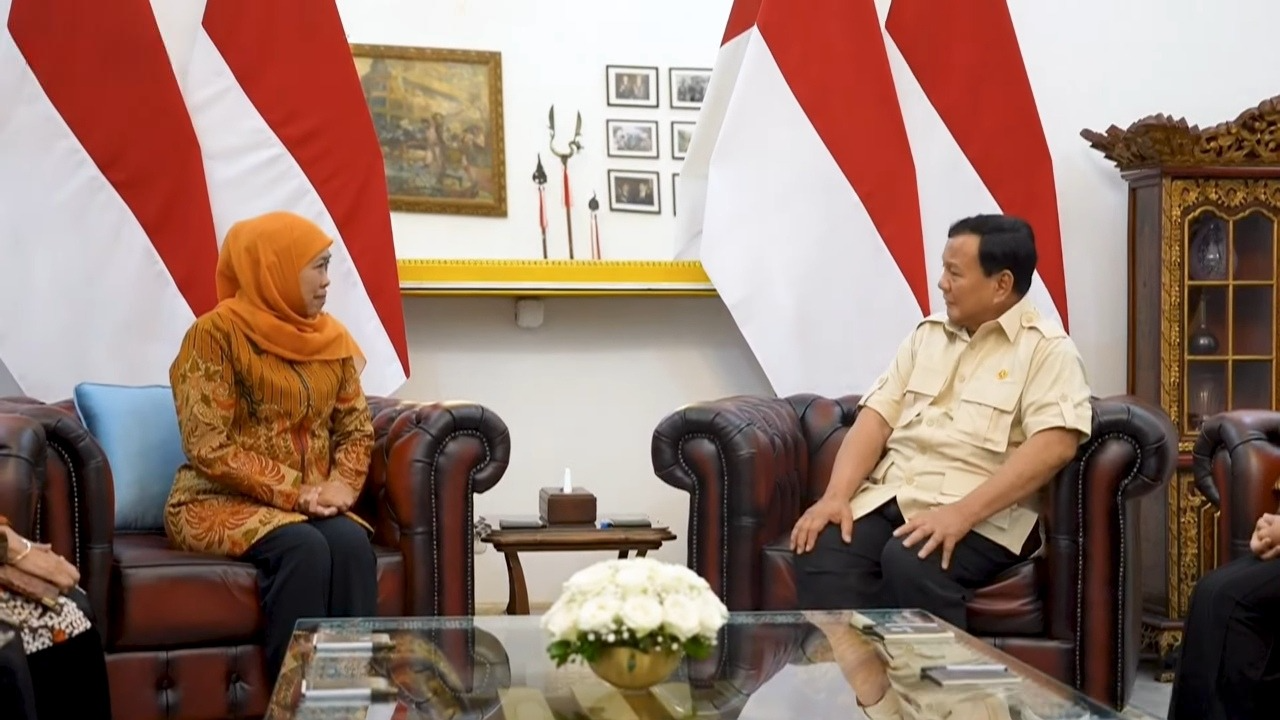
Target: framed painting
[{"x": 438, "y": 115}]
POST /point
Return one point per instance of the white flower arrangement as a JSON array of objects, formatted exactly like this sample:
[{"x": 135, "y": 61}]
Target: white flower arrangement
[{"x": 639, "y": 603}]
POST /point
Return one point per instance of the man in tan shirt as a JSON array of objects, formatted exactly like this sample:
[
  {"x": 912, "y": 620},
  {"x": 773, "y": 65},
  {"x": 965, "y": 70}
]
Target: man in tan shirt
[{"x": 936, "y": 487}]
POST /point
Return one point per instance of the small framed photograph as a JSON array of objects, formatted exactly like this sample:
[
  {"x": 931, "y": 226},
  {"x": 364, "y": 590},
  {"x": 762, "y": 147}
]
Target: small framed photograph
[
  {"x": 681, "y": 134},
  {"x": 632, "y": 86},
  {"x": 688, "y": 87},
  {"x": 634, "y": 191},
  {"x": 675, "y": 192},
  {"x": 632, "y": 138}
]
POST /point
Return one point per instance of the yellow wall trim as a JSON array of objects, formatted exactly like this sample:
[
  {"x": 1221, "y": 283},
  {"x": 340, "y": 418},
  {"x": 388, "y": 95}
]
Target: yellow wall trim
[{"x": 553, "y": 277}]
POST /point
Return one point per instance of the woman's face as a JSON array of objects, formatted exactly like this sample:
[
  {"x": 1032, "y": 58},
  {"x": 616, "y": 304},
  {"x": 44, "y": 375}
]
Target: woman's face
[{"x": 314, "y": 280}]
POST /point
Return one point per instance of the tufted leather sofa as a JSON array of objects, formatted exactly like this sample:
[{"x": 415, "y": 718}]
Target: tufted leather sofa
[
  {"x": 1236, "y": 462},
  {"x": 182, "y": 630},
  {"x": 751, "y": 465}
]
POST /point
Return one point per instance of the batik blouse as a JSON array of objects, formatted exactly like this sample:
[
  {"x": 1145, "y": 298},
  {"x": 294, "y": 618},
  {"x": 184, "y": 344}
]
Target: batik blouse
[{"x": 256, "y": 429}]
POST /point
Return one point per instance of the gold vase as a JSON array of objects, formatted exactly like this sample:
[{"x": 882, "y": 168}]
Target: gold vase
[{"x": 630, "y": 669}]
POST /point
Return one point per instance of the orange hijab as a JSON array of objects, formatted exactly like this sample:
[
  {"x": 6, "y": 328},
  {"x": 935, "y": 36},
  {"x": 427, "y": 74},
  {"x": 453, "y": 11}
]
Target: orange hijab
[{"x": 259, "y": 287}]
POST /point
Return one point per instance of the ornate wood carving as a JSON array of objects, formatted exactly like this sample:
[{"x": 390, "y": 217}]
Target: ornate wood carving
[
  {"x": 1171, "y": 260},
  {"x": 1253, "y": 138}
]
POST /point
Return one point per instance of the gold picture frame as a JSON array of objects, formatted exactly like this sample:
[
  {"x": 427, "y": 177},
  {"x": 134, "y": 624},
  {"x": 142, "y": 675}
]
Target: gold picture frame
[{"x": 439, "y": 117}]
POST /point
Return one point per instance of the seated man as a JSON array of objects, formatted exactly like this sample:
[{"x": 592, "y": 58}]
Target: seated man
[
  {"x": 1230, "y": 667},
  {"x": 980, "y": 408}
]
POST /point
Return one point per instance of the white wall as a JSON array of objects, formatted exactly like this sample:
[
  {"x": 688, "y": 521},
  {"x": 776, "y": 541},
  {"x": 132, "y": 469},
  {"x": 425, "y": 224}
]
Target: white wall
[
  {"x": 553, "y": 52},
  {"x": 586, "y": 389}
]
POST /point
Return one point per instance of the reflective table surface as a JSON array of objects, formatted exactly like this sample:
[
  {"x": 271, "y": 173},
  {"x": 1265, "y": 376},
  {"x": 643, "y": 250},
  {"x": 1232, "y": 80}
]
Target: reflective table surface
[{"x": 764, "y": 666}]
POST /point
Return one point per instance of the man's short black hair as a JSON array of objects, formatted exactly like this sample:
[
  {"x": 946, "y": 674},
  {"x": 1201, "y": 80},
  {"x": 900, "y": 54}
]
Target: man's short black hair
[{"x": 1005, "y": 242}]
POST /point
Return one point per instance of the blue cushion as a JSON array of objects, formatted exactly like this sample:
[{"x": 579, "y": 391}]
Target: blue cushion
[{"x": 137, "y": 427}]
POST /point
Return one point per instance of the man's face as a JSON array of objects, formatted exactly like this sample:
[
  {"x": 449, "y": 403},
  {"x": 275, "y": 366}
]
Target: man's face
[{"x": 972, "y": 298}]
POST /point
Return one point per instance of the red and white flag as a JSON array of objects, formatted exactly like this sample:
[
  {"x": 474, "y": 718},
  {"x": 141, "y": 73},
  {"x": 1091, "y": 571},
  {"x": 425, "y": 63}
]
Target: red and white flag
[
  {"x": 832, "y": 152},
  {"x": 131, "y": 139}
]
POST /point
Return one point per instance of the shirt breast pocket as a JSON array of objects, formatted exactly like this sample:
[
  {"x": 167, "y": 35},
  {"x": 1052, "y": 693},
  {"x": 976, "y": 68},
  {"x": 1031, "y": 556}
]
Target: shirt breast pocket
[
  {"x": 984, "y": 415},
  {"x": 922, "y": 387}
]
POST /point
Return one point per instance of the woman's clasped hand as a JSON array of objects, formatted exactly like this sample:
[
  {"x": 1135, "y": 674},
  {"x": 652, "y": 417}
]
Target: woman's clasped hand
[
  {"x": 326, "y": 499},
  {"x": 41, "y": 561}
]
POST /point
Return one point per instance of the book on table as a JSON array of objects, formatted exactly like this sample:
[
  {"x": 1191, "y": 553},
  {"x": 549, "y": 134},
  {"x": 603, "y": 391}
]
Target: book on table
[
  {"x": 905, "y": 625},
  {"x": 980, "y": 674},
  {"x": 913, "y": 632}
]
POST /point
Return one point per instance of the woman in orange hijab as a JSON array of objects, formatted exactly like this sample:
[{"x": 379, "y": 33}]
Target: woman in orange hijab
[{"x": 276, "y": 431}]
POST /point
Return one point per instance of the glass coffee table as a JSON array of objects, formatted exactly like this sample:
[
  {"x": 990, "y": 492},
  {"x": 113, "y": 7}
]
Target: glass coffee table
[{"x": 765, "y": 666}]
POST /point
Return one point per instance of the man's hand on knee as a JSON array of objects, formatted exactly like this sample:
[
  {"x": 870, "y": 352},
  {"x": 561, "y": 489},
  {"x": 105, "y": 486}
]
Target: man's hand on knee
[
  {"x": 1265, "y": 542},
  {"x": 944, "y": 526},
  {"x": 826, "y": 511}
]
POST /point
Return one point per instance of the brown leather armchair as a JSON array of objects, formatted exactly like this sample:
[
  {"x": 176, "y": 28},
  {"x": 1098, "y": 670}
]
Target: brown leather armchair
[
  {"x": 1236, "y": 461},
  {"x": 21, "y": 452},
  {"x": 752, "y": 464},
  {"x": 182, "y": 630}
]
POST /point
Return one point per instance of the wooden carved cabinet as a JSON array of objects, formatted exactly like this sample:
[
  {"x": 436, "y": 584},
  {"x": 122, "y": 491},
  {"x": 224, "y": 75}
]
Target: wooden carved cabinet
[{"x": 1204, "y": 218}]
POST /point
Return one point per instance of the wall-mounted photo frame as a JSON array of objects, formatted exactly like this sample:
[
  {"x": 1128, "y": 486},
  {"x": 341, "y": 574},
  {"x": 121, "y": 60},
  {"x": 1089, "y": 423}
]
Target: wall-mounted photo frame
[
  {"x": 632, "y": 138},
  {"x": 631, "y": 86},
  {"x": 688, "y": 87},
  {"x": 681, "y": 135},
  {"x": 634, "y": 191},
  {"x": 675, "y": 193},
  {"x": 438, "y": 116}
]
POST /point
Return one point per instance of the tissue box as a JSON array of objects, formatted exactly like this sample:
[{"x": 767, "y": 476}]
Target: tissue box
[{"x": 558, "y": 507}]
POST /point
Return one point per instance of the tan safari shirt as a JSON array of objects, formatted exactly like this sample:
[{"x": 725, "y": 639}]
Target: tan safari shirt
[{"x": 958, "y": 407}]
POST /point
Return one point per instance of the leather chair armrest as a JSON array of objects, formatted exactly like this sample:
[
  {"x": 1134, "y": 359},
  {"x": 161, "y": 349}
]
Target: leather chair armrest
[
  {"x": 1151, "y": 436},
  {"x": 428, "y": 462},
  {"x": 1093, "y": 539},
  {"x": 22, "y": 453},
  {"x": 744, "y": 462},
  {"x": 1236, "y": 461},
  {"x": 77, "y": 509}
]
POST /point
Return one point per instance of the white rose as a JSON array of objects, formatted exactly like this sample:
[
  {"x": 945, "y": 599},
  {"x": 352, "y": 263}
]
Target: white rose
[
  {"x": 670, "y": 577},
  {"x": 712, "y": 615},
  {"x": 681, "y": 616},
  {"x": 696, "y": 582},
  {"x": 590, "y": 577},
  {"x": 559, "y": 623},
  {"x": 634, "y": 578},
  {"x": 597, "y": 614},
  {"x": 642, "y": 614}
]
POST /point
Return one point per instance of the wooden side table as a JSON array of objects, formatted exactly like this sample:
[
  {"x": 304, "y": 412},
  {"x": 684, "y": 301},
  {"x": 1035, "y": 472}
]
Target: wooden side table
[{"x": 554, "y": 539}]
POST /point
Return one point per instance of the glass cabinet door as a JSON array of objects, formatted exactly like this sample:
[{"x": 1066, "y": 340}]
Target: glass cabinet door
[{"x": 1230, "y": 306}]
